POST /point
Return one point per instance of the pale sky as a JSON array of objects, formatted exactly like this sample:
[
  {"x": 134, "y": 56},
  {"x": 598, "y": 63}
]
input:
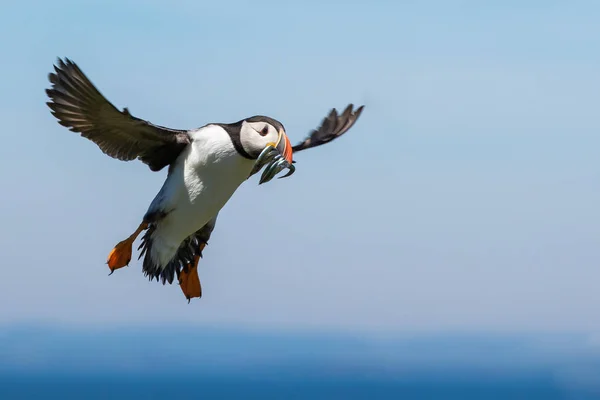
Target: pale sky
[{"x": 466, "y": 198}]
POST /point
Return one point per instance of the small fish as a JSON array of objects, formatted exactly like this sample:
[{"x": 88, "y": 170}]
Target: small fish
[
  {"x": 274, "y": 162},
  {"x": 263, "y": 159}
]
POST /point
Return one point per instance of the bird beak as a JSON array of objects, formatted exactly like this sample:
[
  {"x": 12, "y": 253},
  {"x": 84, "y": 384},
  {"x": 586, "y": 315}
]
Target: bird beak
[
  {"x": 277, "y": 157},
  {"x": 285, "y": 147}
]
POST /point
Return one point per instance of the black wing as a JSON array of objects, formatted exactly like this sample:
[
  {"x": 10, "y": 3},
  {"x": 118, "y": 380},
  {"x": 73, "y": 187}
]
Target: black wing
[
  {"x": 79, "y": 106},
  {"x": 332, "y": 127}
]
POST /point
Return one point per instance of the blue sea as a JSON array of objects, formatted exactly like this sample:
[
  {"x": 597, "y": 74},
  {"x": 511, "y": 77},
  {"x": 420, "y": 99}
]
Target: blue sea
[
  {"x": 39, "y": 362},
  {"x": 190, "y": 386}
]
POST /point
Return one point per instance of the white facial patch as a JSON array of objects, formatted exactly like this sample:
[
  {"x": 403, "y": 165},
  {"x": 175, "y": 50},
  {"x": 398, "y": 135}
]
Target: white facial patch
[{"x": 252, "y": 139}]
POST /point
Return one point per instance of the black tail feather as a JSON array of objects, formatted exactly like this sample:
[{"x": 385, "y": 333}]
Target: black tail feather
[{"x": 188, "y": 250}]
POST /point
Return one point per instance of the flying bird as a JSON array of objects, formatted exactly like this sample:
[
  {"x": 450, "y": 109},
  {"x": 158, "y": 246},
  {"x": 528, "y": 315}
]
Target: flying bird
[{"x": 205, "y": 167}]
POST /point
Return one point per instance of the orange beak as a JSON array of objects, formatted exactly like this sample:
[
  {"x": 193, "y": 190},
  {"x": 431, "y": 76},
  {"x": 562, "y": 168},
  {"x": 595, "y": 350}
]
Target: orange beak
[
  {"x": 285, "y": 147},
  {"x": 277, "y": 156}
]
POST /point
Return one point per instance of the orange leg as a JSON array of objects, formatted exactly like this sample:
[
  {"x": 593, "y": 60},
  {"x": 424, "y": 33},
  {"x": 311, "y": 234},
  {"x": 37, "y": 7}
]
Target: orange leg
[
  {"x": 189, "y": 281},
  {"x": 121, "y": 254}
]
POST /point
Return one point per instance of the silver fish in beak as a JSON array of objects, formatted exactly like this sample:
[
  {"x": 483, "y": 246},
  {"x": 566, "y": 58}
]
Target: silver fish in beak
[{"x": 276, "y": 157}]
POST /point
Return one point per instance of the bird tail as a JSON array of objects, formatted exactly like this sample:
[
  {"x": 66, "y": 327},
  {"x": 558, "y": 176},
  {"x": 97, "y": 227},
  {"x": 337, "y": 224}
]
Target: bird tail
[{"x": 184, "y": 255}]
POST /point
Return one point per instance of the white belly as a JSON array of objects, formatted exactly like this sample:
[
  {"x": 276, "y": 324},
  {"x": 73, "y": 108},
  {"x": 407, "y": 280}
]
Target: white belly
[{"x": 203, "y": 179}]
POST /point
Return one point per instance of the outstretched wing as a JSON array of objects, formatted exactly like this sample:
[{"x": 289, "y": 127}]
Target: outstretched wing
[
  {"x": 79, "y": 106},
  {"x": 332, "y": 127}
]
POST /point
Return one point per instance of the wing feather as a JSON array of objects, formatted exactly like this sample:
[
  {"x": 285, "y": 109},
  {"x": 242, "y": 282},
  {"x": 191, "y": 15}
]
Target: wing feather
[
  {"x": 78, "y": 105},
  {"x": 332, "y": 127}
]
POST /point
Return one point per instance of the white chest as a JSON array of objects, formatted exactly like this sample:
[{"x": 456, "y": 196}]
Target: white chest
[
  {"x": 203, "y": 179},
  {"x": 212, "y": 168}
]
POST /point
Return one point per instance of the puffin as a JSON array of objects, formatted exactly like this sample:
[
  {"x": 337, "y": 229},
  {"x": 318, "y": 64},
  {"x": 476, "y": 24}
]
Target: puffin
[{"x": 205, "y": 166}]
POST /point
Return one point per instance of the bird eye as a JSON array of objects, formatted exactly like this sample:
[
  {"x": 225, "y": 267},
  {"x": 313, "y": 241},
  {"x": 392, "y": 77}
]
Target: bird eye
[{"x": 264, "y": 131}]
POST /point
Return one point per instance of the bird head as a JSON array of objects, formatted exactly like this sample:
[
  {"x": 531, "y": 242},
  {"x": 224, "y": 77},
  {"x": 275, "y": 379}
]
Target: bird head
[{"x": 265, "y": 139}]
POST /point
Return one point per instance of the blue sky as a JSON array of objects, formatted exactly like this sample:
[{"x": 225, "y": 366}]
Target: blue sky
[{"x": 465, "y": 198}]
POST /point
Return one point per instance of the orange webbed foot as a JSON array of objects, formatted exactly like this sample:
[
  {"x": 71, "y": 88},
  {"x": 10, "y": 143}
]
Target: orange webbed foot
[
  {"x": 120, "y": 256},
  {"x": 189, "y": 281}
]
